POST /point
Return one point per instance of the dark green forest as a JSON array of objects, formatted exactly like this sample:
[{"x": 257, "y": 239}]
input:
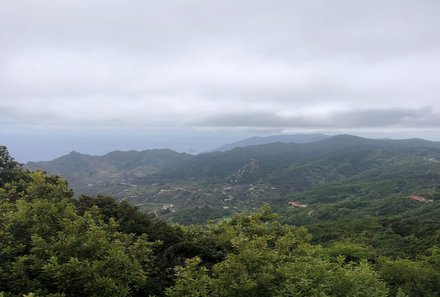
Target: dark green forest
[{"x": 56, "y": 243}]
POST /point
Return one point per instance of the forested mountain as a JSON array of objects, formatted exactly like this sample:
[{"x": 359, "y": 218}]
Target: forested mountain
[
  {"x": 85, "y": 171},
  {"x": 341, "y": 180},
  {"x": 256, "y": 140},
  {"x": 276, "y": 171},
  {"x": 282, "y": 155}
]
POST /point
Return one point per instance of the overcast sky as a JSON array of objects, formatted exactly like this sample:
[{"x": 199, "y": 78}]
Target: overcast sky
[{"x": 98, "y": 75}]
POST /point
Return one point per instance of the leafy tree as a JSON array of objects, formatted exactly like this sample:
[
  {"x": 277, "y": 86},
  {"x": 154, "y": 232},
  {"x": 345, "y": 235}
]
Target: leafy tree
[
  {"x": 6, "y": 161},
  {"x": 170, "y": 247},
  {"x": 267, "y": 258},
  {"x": 415, "y": 278},
  {"x": 46, "y": 247},
  {"x": 350, "y": 251},
  {"x": 12, "y": 174}
]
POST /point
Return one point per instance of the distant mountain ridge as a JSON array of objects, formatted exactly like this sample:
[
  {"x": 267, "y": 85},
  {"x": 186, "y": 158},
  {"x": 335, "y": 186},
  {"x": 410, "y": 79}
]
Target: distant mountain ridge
[
  {"x": 81, "y": 170},
  {"x": 257, "y": 140},
  {"x": 166, "y": 162},
  {"x": 346, "y": 185},
  {"x": 295, "y": 165},
  {"x": 281, "y": 154}
]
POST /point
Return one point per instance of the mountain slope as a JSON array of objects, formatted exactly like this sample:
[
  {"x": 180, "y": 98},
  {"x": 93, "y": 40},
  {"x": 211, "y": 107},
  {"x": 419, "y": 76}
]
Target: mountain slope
[
  {"x": 85, "y": 171},
  {"x": 257, "y": 140},
  {"x": 281, "y": 155},
  {"x": 342, "y": 187},
  {"x": 274, "y": 171}
]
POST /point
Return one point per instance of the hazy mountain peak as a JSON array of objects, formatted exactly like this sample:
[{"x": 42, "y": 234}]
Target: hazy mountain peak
[{"x": 257, "y": 140}]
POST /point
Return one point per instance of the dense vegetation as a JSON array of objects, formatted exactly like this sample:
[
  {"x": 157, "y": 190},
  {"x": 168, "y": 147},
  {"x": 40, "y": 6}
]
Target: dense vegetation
[
  {"x": 54, "y": 245},
  {"x": 328, "y": 172}
]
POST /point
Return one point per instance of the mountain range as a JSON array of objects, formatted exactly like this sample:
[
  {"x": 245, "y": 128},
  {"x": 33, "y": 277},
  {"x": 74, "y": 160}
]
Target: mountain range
[
  {"x": 256, "y": 140},
  {"x": 338, "y": 176}
]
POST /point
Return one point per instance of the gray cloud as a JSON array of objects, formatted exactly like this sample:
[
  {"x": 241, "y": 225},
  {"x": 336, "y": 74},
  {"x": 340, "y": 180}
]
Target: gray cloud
[
  {"x": 373, "y": 118},
  {"x": 251, "y": 64}
]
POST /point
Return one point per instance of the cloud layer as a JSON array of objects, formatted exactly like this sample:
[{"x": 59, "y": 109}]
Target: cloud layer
[{"x": 220, "y": 64}]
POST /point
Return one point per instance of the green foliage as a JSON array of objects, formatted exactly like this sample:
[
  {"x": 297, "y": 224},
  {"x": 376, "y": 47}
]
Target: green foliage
[
  {"x": 170, "y": 244},
  {"x": 267, "y": 258},
  {"x": 54, "y": 245},
  {"x": 197, "y": 215},
  {"x": 82, "y": 257},
  {"x": 129, "y": 218},
  {"x": 191, "y": 280},
  {"x": 415, "y": 278},
  {"x": 350, "y": 251},
  {"x": 12, "y": 176},
  {"x": 48, "y": 248},
  {"x": 397, "y": 237},
  {"x": 8, "y": 166}
]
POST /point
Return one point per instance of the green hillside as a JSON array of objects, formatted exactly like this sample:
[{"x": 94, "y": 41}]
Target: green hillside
[
  {"x": 339, "y": 177},
  {"x": 52, "y": 244}
]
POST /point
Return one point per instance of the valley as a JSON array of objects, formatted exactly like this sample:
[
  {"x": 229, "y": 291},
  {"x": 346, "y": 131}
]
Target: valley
[
  {"x": 339, "y": 177},
  {"x": 343, "y": 203}
]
